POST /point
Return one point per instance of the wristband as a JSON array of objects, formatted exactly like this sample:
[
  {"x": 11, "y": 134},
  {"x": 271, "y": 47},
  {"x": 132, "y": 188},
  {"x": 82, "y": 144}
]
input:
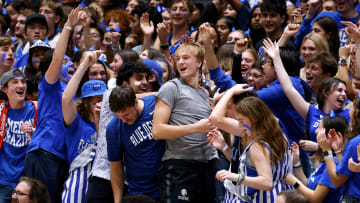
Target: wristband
[
  {"x": 297, "y": 165},
  {"x": 66, "y": 27},
  {"x": 357, "y": 46},
  {"x": 225, "y": 148},
  {"x": 297, "y": 184},
  {"x": 164, "y": 46},
  {"x": 337, "y": 152},
  {"x": 327, "y": 154},
  {"x": 240, "y": 178}
]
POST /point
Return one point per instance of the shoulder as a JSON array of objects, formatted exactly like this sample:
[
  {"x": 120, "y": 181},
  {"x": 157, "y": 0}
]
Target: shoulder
[{"x": 259, "y": 149}]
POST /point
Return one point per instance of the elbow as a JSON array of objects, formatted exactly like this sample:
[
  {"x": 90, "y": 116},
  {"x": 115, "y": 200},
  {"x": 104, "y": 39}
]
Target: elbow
[
  {"x": 213, "y": 119},
  {"x": 155, "y": 132},
  {"x": 268, "y": 186}
]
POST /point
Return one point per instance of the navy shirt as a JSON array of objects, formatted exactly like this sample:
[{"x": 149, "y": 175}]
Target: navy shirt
[{"x": 136, "y": 147}]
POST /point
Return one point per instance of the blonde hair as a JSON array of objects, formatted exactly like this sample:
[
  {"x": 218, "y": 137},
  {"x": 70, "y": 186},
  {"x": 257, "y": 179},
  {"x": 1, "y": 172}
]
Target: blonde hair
[
  {"x": 319, "y": 41},
  {"x": 193, "y": 48}
]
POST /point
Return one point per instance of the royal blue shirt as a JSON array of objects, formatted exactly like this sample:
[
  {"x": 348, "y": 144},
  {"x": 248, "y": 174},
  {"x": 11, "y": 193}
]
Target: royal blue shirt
[
  {"x": 314, "y": 117},
  {"x": 136, "y": 147},
  {"x": 21, "y": 62},
  {"x": 50, "y": 129},
  {"x": 79, "y": 135},
  {"x": 321, "y": 176},
  {"x": 15, "y": 143},
  {"x": 352, "y": 186}
]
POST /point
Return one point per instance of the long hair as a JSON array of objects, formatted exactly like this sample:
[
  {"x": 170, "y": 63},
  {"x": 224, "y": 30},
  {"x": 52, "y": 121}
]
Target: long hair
[
  {"x": 327, "y": 86},
  {"x": 319, "y": 41},
  {"x": 330, "y": 26},
  {"x": 264, "y": 126},
  {"x": 355, "y": 121},
  {"x": 83, "y": 107}
]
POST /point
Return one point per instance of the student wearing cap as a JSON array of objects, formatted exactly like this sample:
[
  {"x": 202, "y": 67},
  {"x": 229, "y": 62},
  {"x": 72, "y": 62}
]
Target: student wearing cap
[
  {"x": 46, "y": 154},
  {"x": 14, "y": 136},
  {"x": 81, "y": 120},
  {"x": 35, "y": 29},
  {"x": 131, "y": 145},
  {"x": 6, "y": 54},
  {"x": 155, "y": 80},
  {"x": 36, "y": 53}
]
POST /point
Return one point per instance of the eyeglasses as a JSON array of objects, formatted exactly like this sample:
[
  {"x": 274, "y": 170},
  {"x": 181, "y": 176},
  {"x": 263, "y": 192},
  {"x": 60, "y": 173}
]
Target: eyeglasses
[
  {"x": 18, "y": 193},
  {"x": 263, "y": 62},
  {"x": 255, "y": 75}
]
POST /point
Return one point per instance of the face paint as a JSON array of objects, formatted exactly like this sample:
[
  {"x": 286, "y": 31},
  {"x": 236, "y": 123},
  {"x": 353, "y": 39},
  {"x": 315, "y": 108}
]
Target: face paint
[
  {"x": 332, "y": 114},
  {"x": 137, "y": 83},
  {"x": 93, "y": 78},
  {"x": 102, "y": 58},
  {"x": 3, "y": 57},
  {"x": 76, "y": 49},
  {"x": 4, "y": 11},
  {"x": 107, "y": 29},
  {"x": 117, "y": 29},
  {"x": 246, "y": 126},
  {"x": 233, "y": 29},
  {"x": 46, "y": 41},
  {"x": 92, "y": 48}
]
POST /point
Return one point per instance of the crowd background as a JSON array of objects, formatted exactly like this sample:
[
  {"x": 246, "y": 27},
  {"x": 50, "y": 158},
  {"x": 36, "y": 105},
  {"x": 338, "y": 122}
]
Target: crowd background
[{"x": 180, "y": 101}]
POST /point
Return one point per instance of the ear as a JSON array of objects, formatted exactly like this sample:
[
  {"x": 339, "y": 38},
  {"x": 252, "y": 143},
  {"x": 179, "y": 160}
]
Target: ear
[
  {"x": 5, "y": 90},
  {"x": 282, "y": 19},
  {"x": 57, "y": 19}
]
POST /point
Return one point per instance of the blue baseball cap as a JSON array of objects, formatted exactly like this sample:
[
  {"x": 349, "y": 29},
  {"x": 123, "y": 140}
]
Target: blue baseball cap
[
  {"x": 93, "y": 88},
  {"x": 155, "y": 68}
]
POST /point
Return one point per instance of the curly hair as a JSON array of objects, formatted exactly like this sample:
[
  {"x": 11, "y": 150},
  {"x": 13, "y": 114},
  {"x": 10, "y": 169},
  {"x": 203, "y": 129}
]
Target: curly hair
[
  {"x": 355, "y": 121},
  {"x": 83, "y": 107},
  {"x": 264, "y": 126},
  {"x": 123, "y": 18}
]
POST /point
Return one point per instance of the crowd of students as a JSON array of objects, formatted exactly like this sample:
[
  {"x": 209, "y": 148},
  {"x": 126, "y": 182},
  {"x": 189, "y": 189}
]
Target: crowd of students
[{"x": 180, "y": 101}]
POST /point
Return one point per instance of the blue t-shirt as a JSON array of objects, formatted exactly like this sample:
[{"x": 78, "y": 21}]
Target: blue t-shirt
[
  {"x": 15, "y": 143},
  {"x": 352, "y": 186},
  {"x": 275, "y": 98},
  {"x": 141, "y": 154},
  {"x": 321, "y": 176},
  {"x": 21, "y": 62},
  {"x": 306, "y": 26},
  {"x": 314, "y": 117},
  {"x": 78, "y": 136},
  {"x": 50, "y": 129}
]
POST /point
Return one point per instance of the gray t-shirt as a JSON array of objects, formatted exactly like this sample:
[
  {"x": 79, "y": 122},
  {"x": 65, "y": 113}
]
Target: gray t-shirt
[{"x": 188, "y": 105}]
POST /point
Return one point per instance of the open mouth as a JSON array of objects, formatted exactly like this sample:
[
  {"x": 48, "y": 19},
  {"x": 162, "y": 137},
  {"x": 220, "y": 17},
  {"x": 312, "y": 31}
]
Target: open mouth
[
  {"x": 20, "y": 92},
  {"x": 309, "y": 78}
]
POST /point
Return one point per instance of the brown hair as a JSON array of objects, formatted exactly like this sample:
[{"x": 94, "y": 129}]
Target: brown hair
[
  {"x": 264, "y": 125},
  {"x": 5, "y": 41},
  {"x": 38, "y": 190},
  {"x": 328, "y": 62},
  {"x": 83, "y": 107},
  {"x": 355, "y": 121},
  {"x": 57, "y": 8},
  {"x": 189, "y": 3}
]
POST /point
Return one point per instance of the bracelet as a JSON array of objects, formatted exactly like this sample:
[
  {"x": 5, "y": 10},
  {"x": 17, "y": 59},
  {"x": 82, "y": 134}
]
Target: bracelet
[
  {"x": 240, "y": 178},
  {"x": 82, "y": 68},
  {"x": 297, "y": 184},
  {"x": 297, "y": 165},
  {"x": 357, "y": 46},
  {"x": 66, "y": 27},
  {"x": 226, "y": 147},
  {"x": 337, "y": 152}
]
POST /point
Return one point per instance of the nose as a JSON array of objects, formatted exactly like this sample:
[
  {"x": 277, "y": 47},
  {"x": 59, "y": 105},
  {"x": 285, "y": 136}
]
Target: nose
[{"x": 144, "y": 81}]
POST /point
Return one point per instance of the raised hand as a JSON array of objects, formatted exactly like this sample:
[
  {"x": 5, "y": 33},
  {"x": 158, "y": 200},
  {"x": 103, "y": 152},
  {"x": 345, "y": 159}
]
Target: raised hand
[
  {"x": 204, "y": 33},
  {"x": 90, "y": 57},
  {"x": 336, "y": 140},
  {"x": 292, "y": 29},
  {"x": 84, "y": 17},
  {"x": 241, "y": 45},
  {"x": 352, "y": 31},
  {"x": 163, "y": 32},
  {"x": 322, "y": 140},
  {"x": 146, "y": 25},
  {"x": 240, "y": 88},
  {"x": 271, "y": 48},
  {"x": 314, "y": 8},
  {"x": 73, "y": 18}
]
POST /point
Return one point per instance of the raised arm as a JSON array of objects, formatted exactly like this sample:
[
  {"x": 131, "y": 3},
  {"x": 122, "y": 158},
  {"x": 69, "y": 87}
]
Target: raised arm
[
  {"x": 300, "y": 105},
  {"x": 290, "y": 31},
  {"x": 147, "y": 28},
  {"x": 163, "y": 130},
  {"x": 218, "y": 116},
  {"x": 68, "y": 103},
  {"x": 53, "y": 73}
]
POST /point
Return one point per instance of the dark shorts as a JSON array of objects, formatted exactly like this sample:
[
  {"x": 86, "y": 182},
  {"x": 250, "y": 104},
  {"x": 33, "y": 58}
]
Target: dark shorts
[
  {"x": 349, "y": 199},
  {"x": 187, "y": 181},
  {"x": 49, "y": 169},
  {"x": 99, "y": 190}
]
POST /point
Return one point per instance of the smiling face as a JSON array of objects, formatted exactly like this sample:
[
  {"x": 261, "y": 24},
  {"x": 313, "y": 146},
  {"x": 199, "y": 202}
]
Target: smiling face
[
  {"x": 247, "y": 60},
  {"x": 187, "y": 63},
  {"x": 271, "y": 21},
  {"x": 255, "y": 79},
  {"x": 308, "y": 49},
  {"x": 97, "y": 72},
  {"x": 15, "y": 89},
  {"x": 315, "y": 75},
  {"x": 336, "y": 98},
  {"x": 180, "y": 14},
  {"x": 116, "y": 63},
  {"x": 269, "y": 71},
  {"x": 139, "y": 82}
]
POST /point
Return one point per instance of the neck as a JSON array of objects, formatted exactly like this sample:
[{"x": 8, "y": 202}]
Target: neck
[
  {"x": 327, "y": 108},
  {"x": 351, "y": 13},
  {"x": 17, "y": 104},
  {"x": 51, "y": 32},
  {"x": 274, "y": 35},
  {"x": 192, "y": 81},
  {"x": 178, "y": 33}
]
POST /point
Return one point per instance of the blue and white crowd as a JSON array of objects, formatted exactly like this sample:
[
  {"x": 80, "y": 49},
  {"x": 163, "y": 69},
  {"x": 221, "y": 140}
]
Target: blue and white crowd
[{"x": 180, "y": 101}]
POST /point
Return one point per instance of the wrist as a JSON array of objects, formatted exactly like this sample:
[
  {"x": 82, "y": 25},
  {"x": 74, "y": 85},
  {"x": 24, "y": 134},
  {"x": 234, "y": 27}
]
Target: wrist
[
  {"x": 240, "y": 178},
  {"x": 82, "y": 68},
  {"x": 297, "y": 184},
  {"x": 327, "y": 154},
  {"x": 338, "y": 151},
  {"x": 67, "y": 26},
  {"x": 297, "y": 165},
  {"x": 224, "y": 148}
]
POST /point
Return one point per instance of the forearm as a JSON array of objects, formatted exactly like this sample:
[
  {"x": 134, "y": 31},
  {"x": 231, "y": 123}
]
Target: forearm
[
  {"x": 164, "y": 131},
  {"x": 228, "y": 153},
  {"x": 87, "y": 37},
  {"x": 331, "y": 168},
  {"x": 146, "y": 43},
  {"x": 312, "y": 195},
  {"x": 299, "y": 173},
  {"x": 117, "y": 182},
  {"x": 357, "y": 62},
  {"x": 283, "y": 40},
  {"x": 258, "y": 182},
  {"x": 210, "y": 57}
]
